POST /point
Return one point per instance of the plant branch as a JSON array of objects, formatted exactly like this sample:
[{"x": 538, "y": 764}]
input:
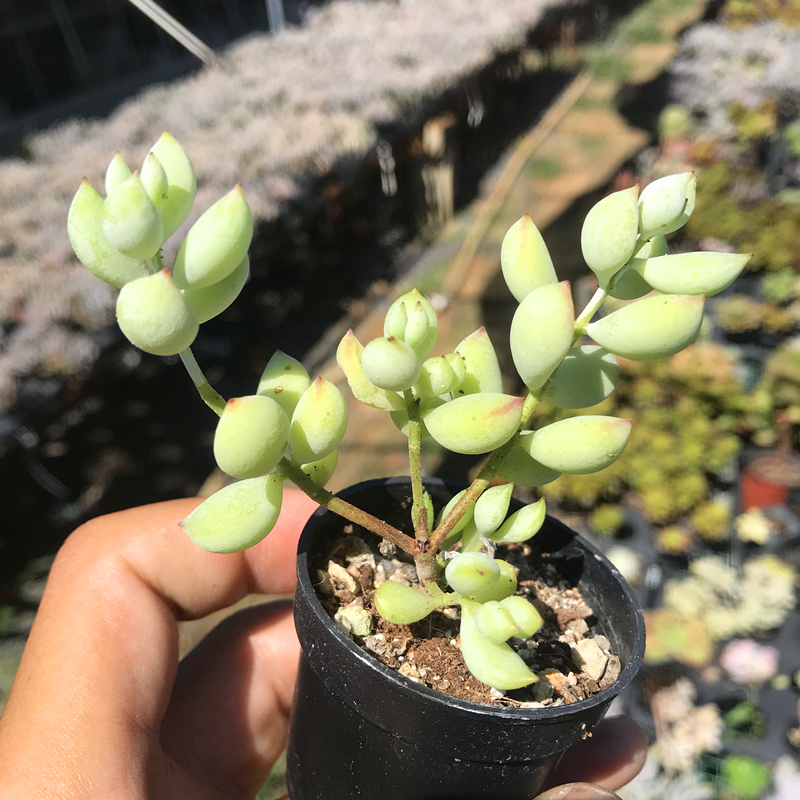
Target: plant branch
[
  {"x": 215, "y": 401},
  {"x": 341, "y": 507},
  {"x": 419, "y": 516},
  {"x": 591, "y": 309}
]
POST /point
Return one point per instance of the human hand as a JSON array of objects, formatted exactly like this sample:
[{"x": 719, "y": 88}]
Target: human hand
[{"x": 101, "y": 708}]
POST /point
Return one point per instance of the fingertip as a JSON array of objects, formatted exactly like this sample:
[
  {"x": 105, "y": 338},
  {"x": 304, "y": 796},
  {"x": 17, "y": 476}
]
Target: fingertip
[{"x": 611, "y": 757}]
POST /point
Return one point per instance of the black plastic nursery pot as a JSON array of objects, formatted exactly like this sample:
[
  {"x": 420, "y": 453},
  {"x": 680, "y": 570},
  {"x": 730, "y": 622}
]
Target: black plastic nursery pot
[{"x": 362, "y": 730}]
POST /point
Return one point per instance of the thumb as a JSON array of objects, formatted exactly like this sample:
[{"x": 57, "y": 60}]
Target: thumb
[{"x": 577, "y": 791}]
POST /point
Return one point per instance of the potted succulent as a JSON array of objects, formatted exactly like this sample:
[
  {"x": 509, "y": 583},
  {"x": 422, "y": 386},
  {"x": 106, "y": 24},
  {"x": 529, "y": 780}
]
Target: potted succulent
[{"x": 458, "y": 558}]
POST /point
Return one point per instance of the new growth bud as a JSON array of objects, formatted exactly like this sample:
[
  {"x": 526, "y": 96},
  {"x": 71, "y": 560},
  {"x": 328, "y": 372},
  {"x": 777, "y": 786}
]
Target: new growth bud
[
  {"x": 412, "y": 320},
  {"x": 130, "y": 220}
]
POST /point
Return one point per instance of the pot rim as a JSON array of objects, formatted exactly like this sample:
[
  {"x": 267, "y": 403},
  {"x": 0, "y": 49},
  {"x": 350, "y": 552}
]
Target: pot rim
[{"x": 413, "y": 690}]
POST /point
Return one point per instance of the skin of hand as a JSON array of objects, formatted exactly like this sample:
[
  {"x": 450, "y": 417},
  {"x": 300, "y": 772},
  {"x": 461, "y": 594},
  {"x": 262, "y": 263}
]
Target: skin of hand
[{"x": 102, "y": 708}]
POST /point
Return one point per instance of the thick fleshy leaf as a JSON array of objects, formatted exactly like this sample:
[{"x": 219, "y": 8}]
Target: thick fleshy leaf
[
  {"x": 521, "y": 468},
  {"x": 655, "y": 327},
  {"x": 154, "y": 315},
  {"x": 481, "y": 364},
  {"x": 492, "y": 663},
  {"x": 492, "y": 507},
  {"x": 319, "y": 422},
  {"x": 348, "y": 356},
  {"x": 154, "y": 180},
  {"x": 541, "y": 332},
  {"x": 237, "y": 516},
  {"x": 400, "y": 416},
  {"x": 476, "y": 423},
  {"x": 412, "y": 319},
  {"x": 609, "y": 233},
  {"x": 182, "y": 185},
  {"x": 471, "y": 574},
  {"x": 579, "y": 445},
  {"x": 525, "y": 260},
  {"x": 322, "y": 471},
  {"x": 437, "y": 377},
  {"x": 452, "y": 537},
  {"x": 251, "y": 436},
  {"x": 390, "y": 364},
  {"x": 216, "y": 244},
  {"x": 522, "y": 524},
  {"x": 210, "y": 301},
  {"x": 585, "y": 377},
  {"x": 693, "y": 273},
  {"x": 523, "y": 613},
  {"x": 495, "y": 623},
  {"x": 284, "y": 380},
  {"x": 662, "y": 203},
  {"x": 118, "y": 172},
  {"x": 403, "y": 605},
  {"x": 628, "y": 283},
  {"x": 94, "y": 251},
  {"x": 130, "y": 220}
]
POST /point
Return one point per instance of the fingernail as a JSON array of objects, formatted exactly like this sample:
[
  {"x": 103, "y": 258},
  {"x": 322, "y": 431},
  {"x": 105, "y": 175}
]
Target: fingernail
[{"x": 577, "y": 791}]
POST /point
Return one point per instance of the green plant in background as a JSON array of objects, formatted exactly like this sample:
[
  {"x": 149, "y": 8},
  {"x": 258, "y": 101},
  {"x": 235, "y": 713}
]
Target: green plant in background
[
  {"x": 291, "y": 427},
  {"x": 739, "y": 314},
  {"x": 674, "y": 540},
  {"x": 674, "y": 122},
  {"x": 712, "y": 520},
  {"x": 779, "y": 287},
  {"x": 742, "y": 13},
  {"x": 674, "y": 637},
  {"x": 607, "y": 519},
  {"x": 745, "y": 777}
]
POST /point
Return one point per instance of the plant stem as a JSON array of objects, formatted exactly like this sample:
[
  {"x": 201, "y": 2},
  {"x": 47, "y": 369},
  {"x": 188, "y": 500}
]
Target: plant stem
[
  {"x": 419, "y": 516},
  {"x": 322, "y": 496},
  {"x": 591, "y": 309},
  {"x": 157, "y": 262},
  {"x": 213, "y": 400}
]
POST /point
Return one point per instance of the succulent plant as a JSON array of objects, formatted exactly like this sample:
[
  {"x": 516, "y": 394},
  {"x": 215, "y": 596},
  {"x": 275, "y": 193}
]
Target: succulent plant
[{"x": 291, "y": 426}]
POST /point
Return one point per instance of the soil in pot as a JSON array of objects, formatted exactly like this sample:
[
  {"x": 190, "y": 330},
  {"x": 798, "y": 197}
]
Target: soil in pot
[{"x": 569, "y": 659}]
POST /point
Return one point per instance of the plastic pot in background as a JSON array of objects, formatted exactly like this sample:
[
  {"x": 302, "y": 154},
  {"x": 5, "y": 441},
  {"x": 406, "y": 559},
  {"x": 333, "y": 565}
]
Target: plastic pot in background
[
  {"x": 361, "y": 730},
  {"x": 767, "y": 480}
]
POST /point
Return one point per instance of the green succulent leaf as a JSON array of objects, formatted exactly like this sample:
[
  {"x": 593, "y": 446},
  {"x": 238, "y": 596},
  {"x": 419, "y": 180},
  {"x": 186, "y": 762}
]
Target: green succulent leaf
[
  {"x": 130, "y": 220},
  {"x": 319, "y": 422},
  {"x": 475, "y": 423},
  {"x": 521, "y": 468},
  {"x": 541, "y": 332},
  {"x": 655, "y": 327},
  {"x": 251, "y": 436},
  {"x": 693, "y": 273},
  {"x": 492, "y": 663},
  {"x": 525, "y": 260},
  {"x": 526, "y": 617},
  {"x": 437, "y": 377},
  {"x": 580, "y": 445},
  {"x": 585, "y": 377},
  {"x": 662, "y": 203},
  {"x": 522, "y": 524},
  {"x": 403, "y": 605},
  {"x": 628, "y": 283},
  {"x": 118, "y": 172},
  {"x": 390, "y": 364},
  {"x": 495, "y": 623},
  {"x": 491, "y": 508},
  {"x": 237, "y": 516},
  {"x": 609, "y": 233},
  {"x": 154, "y": 315},
  {"x": 412, "y": 319},
  {"x": 181, "y": 183},
  {"x": 400, "y": 417},
  {"x": 210, "y": 301},
  {"x": 348, "y": 356},
  {"x": 322, "y": 471},
  {"x": 482, "y": 369},
  {"x": 94, "y": 251},
  {"x": 216, "y": 244},
  {"x": 471, "y": 574},
  {"x": 284, "y": 379}
]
